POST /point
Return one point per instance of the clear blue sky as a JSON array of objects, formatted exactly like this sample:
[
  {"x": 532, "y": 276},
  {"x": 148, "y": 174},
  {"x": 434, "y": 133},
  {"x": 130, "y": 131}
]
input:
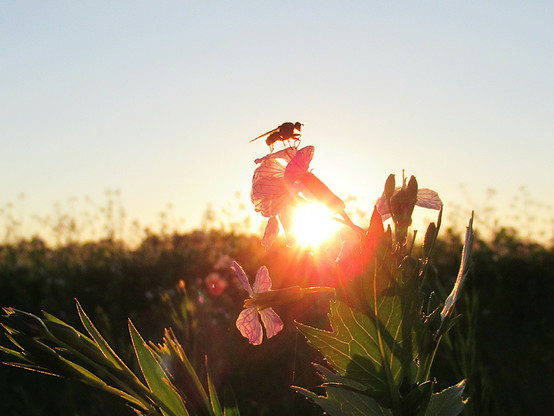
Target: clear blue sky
[{"x": 160, "y": 98}]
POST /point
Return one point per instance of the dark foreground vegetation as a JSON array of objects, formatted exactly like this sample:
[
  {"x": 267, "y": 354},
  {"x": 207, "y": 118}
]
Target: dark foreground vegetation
[{"x": 503, "y": 344}]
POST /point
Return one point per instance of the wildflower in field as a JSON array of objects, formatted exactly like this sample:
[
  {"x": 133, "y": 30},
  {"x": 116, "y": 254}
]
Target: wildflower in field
[
  {"x": 402, "y": 199},
  {"x": 248, "y": 322},
  {"x": 281, "y": 183},
  {"x": 215, "y": 284},
  {"x": 272, "y": 195}
]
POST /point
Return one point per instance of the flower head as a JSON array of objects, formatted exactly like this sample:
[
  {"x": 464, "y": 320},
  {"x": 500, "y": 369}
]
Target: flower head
[
  {"x": 281, "y": 183},
  {"x": 403, "y": 200},
  {"x": 248, "y": 322},
  {"x": 215, "y": 284},
  {"x": 274, "y": 190}
]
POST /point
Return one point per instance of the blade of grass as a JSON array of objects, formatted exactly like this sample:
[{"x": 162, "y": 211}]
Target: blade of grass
[{"x": 216, "y": 405}]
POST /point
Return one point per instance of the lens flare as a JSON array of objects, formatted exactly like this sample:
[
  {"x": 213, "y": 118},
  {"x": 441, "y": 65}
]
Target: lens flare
[{"x": 313, "y": 225}]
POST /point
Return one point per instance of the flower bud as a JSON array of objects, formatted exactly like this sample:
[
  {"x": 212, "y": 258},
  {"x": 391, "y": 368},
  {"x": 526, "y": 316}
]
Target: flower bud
[
  {"x": 412, "y": 187},
  {"x": 402, "y": 205},
  {"x": 25, "y": 323},
  {"x": 389, "y": 186},
  {"x": 430, "y": 237}
]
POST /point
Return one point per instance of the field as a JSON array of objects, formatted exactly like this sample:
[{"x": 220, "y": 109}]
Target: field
[{"x": 502, "y": 343}]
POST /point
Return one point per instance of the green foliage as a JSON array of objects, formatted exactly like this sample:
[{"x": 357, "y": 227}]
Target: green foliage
[
  {"x": 71, "y": 354},
  {"x": 386, "y": 342},
  {"x": 509, "y": 290},
  {"x": 372, "y": 351}
]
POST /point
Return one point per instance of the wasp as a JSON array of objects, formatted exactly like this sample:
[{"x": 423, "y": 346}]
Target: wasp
[{"x": 284, "y": 132}]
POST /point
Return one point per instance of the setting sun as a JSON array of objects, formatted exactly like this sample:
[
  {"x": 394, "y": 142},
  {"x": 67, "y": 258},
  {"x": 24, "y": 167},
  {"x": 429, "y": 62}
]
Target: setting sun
[{"x": 313, "y": 224}]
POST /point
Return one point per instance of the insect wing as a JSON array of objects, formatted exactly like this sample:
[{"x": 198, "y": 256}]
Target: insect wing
[
  {"x": 299, "y": 164},
  {"x": 242, "y": 278},
  {"x": 265, "y": 134},
  {"x": 427, "y": 198},
  {"x": 249, "y": 325},
  {"x": 263, "y": 281},
  {"x": 272, "y": 322}
]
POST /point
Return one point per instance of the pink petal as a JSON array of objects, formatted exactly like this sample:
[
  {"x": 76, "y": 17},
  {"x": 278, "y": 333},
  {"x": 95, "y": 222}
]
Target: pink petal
[
  {"x": 428, "y": 198},
  {"x": 249, "y": 325},
  {"x": 263, "y": 281},
  {"x": 242, "y": 278},
  {"x": 271, "y": 232},
  {"x": 269, "y": 169},
  {"x": 286, "y": 219},
  {"x": 383, "y": 207},
  {"x": 272, "y": 322},
  {"x": 299, "y": 163},
  {"x": 286, "y": 154},
  {"x": 268, "y": 187}
]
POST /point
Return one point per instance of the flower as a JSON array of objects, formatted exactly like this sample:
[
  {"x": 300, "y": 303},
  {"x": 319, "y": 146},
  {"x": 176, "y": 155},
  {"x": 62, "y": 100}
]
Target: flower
[
  {"x": 277, "y": 184},
  {"x": 248, "y": 321},
  {"x": 273, "y": 195},
  {"x": 215, "y": 284},
  {"x": 425, "y": 198}
]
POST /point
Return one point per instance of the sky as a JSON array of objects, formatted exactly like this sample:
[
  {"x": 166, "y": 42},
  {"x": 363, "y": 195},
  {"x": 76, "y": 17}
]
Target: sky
[{"x": 159, "y": 99}]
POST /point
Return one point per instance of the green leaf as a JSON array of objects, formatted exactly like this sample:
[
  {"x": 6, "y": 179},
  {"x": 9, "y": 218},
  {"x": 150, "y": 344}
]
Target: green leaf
[
  {"x": 329, "y": 376},
  {"x": 13, "y": 352},
  {"x": 91, "y": 379},
  {"x": 448, "y": 402},
  {"x": 32, "y": 367},
  {"x": 172, "y": 353},
  {"x": 230, "y": 407},
  {"x": 214, "y": 401},
  {"x": 157, "y": 380},
  {"x": 365, "y": 349},
  {"x": 462, "y": 273},
  {"x": 343, "y": 402},
  {"x": 100, "y": 341}
]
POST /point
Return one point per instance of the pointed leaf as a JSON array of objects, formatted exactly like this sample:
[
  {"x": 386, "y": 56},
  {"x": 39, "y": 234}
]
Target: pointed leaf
[
  {"x": 171, "y": 402},
  {"x": 462, "y": 273},
  {"x": 32, "y": 367},
  {"x": 214, "y": 400},
  {"x": 91, "y": 379},
  {"x": 448, "y": 402},
  {"x": 343, "y": 402},
  {"x": 100, "y": 341},
  {"x": 230, "y": 407},
  {"x": 171, "y": 342},
  {"x": 357, "y": 344},
  {"x": 330, "y": 377}
]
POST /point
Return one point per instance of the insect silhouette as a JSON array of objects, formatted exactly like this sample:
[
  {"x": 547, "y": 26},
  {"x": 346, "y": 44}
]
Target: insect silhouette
[{"x": 284, "y": 132}]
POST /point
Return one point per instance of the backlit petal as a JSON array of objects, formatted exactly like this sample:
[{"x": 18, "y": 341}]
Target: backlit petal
[
  {"x": 271, "y": 232},
  {"x": 242, "y": 278},
  {"x": 272, "y": 322},
  {"x": 263, "y": 281},
  {"x": 299, "y": 163},
  {"x": 249, "y": 325},
  {"x": 428, "y": 198},
  {"x": 285, "y": 154}
]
